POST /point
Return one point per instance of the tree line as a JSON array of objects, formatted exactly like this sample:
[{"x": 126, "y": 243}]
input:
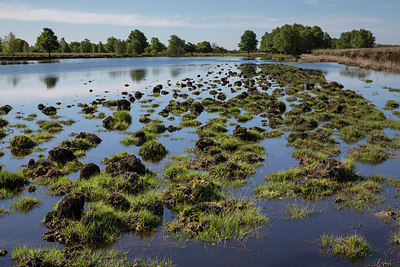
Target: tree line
[
  {"x": 288, "y": 39},
  {"x": 299, "y": 39},
  {"x": 135, "y": 44}
]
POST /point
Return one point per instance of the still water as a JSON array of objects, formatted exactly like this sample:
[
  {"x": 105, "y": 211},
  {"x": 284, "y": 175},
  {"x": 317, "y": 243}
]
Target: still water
[{"x": 65, "y": 83}]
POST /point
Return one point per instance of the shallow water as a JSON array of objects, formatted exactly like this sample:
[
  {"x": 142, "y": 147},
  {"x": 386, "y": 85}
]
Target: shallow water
[{"x": 282, "y": 242}]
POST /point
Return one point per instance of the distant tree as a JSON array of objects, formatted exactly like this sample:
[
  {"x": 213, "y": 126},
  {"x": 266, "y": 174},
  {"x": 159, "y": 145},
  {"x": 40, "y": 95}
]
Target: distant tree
[
  {"x": 204, "y": 47},
  {"x": 362, "y": 39},
  {"x": 141, "y": 41},
  {"x": 95, "y": 48},
  {"x": 64, "y": 47},
  {"x": 287, "y": 39},
  {"x": 176, "y": 46},
  {"x": 327, "y": 41},
  {"x": 295, "y": 39},
  {"x": 47, "y": 40},
  {"x": 189, "y": 48},
  {"x": 85, "y": 46},
  {"x": 10, "y": 43},
  {"x": 101, "y": 48},
  {"x": 248, "y": 41},
  {"x": 218, "y": 49},
  {"x": 156, "y": 45},
  {"x": 264, "y": 42},
  {"x": 119, "y": 47},
  {"x": 20, "y": 44},
  {"x": 344, "y": 41},
  {"x": 109, "y": 46},
  {"x": 26, "y": 47},
  {"x": 134, "y": 47},
  {"x": 1, "y": 44},
  {"x": 75, "y": 47}
]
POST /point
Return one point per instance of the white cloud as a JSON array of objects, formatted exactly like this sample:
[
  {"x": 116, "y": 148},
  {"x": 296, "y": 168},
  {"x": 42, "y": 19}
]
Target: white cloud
[{"x": 27, "y": 13}]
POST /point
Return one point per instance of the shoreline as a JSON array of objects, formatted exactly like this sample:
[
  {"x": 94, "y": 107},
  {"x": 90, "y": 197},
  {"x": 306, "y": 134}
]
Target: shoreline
[
  {"x": 55, "y": 56},
  {"x": 379, "y": 59}
]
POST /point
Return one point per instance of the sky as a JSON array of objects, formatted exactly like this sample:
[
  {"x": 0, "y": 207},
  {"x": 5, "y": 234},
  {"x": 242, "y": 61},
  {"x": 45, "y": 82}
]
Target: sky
[{"x": 217, "y": 21}]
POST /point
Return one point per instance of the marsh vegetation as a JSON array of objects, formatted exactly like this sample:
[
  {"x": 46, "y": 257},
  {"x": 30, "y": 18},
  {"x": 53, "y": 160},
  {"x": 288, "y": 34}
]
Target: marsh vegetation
[{"x": 214, "y": 160}]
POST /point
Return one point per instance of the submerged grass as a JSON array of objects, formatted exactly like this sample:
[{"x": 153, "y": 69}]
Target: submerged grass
[
  {"x": 300, "y": 212},
  {"x": 352, "y": 247},
  {"x": 26, "y": 204}
]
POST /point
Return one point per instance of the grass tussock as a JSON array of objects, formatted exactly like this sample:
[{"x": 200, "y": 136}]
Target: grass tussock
[
  {"x": 353, "y": 247},
  {"x": 26, "y": 204},
  {"x": 300, "y": 212}
]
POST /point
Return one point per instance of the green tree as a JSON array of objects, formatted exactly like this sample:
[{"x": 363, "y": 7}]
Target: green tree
[
  {"x": 64, "y": 47},
  {"x": 119, "y": 47},
  {"x": 189, "y": 48},
  {"x": 85, "y": 46},
  {"x": 101, "y": 48},
  {"x": 156, "y": 45},
  {"x": 141, "y": 39},
  {"x": 75, "y": 47},
  {"x": 204, "y": 47},
  {"x": 1, "y": 44},
  {"x": 10, "y": 43},
  {"x": 134, "y": 47},
  {"x": 287, "y": 39},
  {"x": 248, "y": 41},
  {"x": 47, "y": 40},
  {"x": 218, "y": 49},
  {"x": 362, "y": 39},
  {"x": 95, "y": 48},
  {"x": 109, "y": 46},
  {"x": 355, "y": 39},
  {"x": 176, "y": 46}
]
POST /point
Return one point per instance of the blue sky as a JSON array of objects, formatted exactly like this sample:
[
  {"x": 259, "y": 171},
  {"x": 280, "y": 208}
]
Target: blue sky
[{"x": 218, "y": 21}]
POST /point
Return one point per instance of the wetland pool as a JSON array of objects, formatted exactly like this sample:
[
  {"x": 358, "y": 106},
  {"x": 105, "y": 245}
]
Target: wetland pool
[{"x": 68, "y": 84}]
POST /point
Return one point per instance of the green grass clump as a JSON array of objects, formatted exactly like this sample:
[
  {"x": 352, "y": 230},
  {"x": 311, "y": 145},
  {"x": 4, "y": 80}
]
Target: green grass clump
[
  {"x": 369, "y": 154},
  {"x": 26, "y": 204},
  {"x": 100, "y": 223},
  {"x": 351, "y": 134},
  {"x": 190, "y": 123},
  {"x": 43, "y": 137},
  {"x": 391, "y": 89},
  {"x": 298, "y": 212},
  {"x": 352, "y": 247},
  {"x": 220, "y": 222},
  {"x": 120, "y": 120},
  {"x": 24, "y": 256},
  {"x": 4, "y": 193},
  {"x": 391, "y": 104},
  {"x": 152, "y": 150},
  {"x": 4, "y": 211},
  {"x": 244, "y": 118},
  {"x": 51, "y": 126},
  {"x": 230, "y": 144},
  {"x": 1, "y": 153},
  {"x": 22, "y": 142},
  {"x": 12, "y": 180}
]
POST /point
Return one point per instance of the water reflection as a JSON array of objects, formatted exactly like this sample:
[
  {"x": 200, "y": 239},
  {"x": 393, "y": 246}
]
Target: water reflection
[
  {"x": 354, "y": 73},
  {"x": 13, "y": 80},
  {"x": 155, "y": 72},
  {"x": 175, "y": 72},
  {"x": 116, "y": 74},
  {"x": 50, "y": 81},
  {"x": 138, "y": 75}
]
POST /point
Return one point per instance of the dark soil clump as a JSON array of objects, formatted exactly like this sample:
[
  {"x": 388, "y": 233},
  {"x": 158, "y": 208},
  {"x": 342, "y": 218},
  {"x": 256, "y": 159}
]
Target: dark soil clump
[{"x": 61, "y": 155}]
